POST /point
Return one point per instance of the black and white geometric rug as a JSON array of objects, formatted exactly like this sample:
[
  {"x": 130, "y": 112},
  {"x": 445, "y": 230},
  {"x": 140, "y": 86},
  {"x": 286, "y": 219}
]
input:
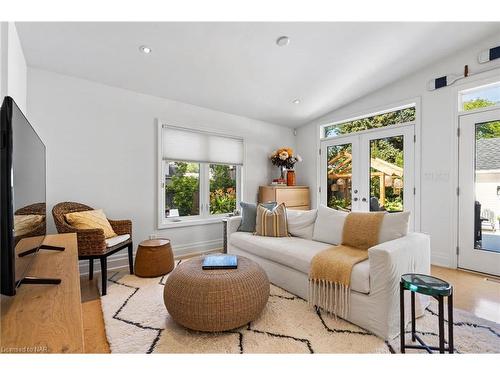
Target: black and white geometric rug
[{"x": 137, "y": 321}]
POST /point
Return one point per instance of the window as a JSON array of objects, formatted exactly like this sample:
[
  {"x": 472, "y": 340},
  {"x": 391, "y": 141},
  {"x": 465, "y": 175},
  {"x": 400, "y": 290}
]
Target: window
[
  {"x": 199, "y": 176},
  {"x": 222, "y": 188},
  {"x": 480, "y": 97},
  {"x": 378, "y": 120}
]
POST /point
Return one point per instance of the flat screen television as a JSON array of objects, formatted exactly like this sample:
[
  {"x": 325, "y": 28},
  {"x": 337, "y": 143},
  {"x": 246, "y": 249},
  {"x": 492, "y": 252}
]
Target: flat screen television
[{"x": 23, "y": 199}]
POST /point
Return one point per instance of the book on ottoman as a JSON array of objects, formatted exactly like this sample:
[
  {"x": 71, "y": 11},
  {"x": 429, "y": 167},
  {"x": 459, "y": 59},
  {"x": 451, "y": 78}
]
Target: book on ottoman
[{"x": 215, "y": 262}]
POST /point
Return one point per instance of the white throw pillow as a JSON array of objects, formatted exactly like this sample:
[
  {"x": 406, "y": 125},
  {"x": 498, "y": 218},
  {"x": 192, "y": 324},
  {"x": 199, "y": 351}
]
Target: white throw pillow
[
  {"x": 301, "y": 223},
  {"x": 394, "y": 226},
  {"x": 329, "y": 225}
]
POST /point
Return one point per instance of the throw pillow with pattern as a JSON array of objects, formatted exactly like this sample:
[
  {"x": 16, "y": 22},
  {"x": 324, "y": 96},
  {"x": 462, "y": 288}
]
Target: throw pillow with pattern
[{"x": 271, "y": 223}]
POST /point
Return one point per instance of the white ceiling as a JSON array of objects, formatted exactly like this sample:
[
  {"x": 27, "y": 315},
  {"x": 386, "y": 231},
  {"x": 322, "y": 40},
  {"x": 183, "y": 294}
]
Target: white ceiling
[{"x": 238, "y": 68}]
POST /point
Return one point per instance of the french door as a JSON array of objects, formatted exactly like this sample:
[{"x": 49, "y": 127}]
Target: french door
[
  {"x": 370, "y": 171},
  {"x": 479, "y": 192}
]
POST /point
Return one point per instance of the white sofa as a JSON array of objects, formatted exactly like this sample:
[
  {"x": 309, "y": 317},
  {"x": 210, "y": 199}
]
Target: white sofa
[{"x": 375, "y": 282}]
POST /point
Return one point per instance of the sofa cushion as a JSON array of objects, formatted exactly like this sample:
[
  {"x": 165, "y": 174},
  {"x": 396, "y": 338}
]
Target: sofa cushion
[
  {"x": 394, "y": 226},
  {"x": 329, "y": 225},
  {"x": 301, "y": 222},
  {"x": 296, "y": 253},
  {"x": 249, "y": 214}
]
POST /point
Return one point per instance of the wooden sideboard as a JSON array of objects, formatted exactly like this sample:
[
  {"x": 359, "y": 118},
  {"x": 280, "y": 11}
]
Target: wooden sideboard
[
  {"x": 294, "y": 197},
  {"x": 46, "y": 318}
]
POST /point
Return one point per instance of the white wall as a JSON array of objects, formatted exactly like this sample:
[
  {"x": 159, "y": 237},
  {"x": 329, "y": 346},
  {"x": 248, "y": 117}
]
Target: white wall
[
  {"x": 12, "y": 65},
  {"x": 438, "y": 158},
  {"x": 101, "y": 150},
  {"x": 3, "y": 58}
]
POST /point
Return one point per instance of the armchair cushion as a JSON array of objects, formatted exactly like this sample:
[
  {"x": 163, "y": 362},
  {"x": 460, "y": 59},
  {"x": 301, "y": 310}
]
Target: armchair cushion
[
  {"x": 110, "y": 242},
  {"x": 92, "y": 219}
]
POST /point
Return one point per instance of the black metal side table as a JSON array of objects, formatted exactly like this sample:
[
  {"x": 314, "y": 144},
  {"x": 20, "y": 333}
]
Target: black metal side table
[{"x": 436, "y": 288}]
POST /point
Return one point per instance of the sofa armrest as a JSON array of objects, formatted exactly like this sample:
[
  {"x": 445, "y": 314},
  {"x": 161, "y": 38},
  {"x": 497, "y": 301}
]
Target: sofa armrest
[
  {"x": 233, "y": 223},
  {"x": 389, "y": 260}
]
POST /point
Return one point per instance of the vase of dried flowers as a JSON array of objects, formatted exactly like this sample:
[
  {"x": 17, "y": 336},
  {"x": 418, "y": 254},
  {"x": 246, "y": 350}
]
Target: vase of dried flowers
[{"x": 285, "y": 159}]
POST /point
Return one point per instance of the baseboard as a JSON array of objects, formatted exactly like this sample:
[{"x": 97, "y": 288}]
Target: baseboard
[
  {"x": 441, "y": 260},
  {"x": 120, "y": 260}
]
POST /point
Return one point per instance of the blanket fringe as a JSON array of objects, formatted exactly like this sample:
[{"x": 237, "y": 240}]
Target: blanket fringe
[{"x": 330, "y": 296}]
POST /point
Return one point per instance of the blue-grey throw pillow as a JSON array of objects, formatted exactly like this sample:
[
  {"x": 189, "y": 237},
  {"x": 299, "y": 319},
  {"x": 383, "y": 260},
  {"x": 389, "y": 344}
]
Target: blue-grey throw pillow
[{"x": 249, "y": 215}]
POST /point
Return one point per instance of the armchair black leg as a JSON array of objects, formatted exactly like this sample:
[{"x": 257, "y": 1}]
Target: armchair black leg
[
  {"x": 104, "y": 274},
  {"x": 131, "y": 258},
  {"x": 91, "y": 269}
]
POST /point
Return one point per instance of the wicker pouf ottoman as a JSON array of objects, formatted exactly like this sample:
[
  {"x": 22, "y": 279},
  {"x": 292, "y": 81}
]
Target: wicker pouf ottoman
[
  {"x": 154, "y": 258},
  {"x": 216, "y": 300}
]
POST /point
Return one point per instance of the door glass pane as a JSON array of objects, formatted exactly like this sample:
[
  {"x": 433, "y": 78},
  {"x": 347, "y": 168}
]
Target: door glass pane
[
  {"x": 339, "y": 176},
  {"x": 387, "y": 174},
  {"x": 487, "y": 187},
  {"x": 222, "y": 189},
  {"x": 182, "y": 189}
]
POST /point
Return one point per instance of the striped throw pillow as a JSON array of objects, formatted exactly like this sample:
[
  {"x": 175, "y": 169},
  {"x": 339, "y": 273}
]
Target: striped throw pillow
[{"x": 271, "y": 223}]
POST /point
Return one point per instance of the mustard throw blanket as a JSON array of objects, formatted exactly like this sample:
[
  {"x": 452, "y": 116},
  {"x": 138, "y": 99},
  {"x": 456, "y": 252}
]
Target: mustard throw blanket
[{"x": 330, "y": 274}]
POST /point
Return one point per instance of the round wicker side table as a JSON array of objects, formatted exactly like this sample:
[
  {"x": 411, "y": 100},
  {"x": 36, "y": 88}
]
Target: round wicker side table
[
  {"x": 154, "y": 258},
  {"x": 216, "y": 300}
]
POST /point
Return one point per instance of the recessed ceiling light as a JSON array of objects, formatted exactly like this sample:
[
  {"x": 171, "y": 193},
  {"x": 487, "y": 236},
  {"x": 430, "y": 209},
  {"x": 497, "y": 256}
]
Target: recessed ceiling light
[
  {"x": 296, "y": 101},
  {"x": 145, "y": 49},
  {"x": 283, "y": 41}
]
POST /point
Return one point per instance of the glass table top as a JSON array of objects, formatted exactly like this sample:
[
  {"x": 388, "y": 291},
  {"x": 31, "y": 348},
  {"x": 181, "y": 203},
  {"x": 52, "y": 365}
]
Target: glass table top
[{"x": 426, "y": 284}]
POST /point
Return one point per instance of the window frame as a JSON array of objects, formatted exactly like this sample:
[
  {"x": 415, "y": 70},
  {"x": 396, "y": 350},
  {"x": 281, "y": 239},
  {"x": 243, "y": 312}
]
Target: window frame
[
  {"x": 475, "y": 86},
  {"x": 333, "y": 118},
  {"x": 367, "y": 115},
  {"x": 204, "y": 216}
]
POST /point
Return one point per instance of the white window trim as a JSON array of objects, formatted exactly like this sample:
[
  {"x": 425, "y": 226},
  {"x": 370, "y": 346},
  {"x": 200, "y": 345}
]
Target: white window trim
[
  {"x": 204, "y": 217},
  {"x": 371, "y": 114},
  {"x": 410, "y": 102},
  {"x": 472, "y": 86}
]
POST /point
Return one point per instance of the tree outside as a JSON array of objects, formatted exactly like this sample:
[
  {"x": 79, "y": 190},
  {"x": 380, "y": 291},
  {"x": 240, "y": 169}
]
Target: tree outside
[
  {"x": 488, "y": 130},
  {"x": 182, "y": 188},
  {"x": 222, "y": 189}
]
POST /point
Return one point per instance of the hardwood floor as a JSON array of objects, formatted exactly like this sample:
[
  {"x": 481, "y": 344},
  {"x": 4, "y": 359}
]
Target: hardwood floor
[
  {"x": 472, "y": 292},
  {"x": 479, "y": 294},
  {"x": 94, "y": 333}
]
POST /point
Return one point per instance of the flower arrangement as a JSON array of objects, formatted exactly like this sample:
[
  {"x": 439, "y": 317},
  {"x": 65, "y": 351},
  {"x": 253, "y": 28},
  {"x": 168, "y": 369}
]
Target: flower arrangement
[{"x": 284, "y": 158}]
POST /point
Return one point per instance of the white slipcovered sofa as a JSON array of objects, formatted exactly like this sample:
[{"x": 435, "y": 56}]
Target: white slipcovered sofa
[{"x": 374, "y": 299}]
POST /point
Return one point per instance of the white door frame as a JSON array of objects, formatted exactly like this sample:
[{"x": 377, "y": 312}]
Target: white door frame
[
  {"x": 468, "y": 257},
  {"x": 353, "y": 139},
  {"x": 361, "y": 162},
  {"x": 408, "y": 133}
]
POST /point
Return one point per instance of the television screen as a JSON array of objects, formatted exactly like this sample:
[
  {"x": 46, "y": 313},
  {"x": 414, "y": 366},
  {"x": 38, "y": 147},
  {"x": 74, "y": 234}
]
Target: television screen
[{"x": 23, "y": 206}]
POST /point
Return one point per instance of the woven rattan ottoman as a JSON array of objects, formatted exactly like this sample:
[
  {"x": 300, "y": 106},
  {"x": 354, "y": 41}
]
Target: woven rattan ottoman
[
  {"x": 154, "y": 258},
  {"x": 216, "y": 300}
]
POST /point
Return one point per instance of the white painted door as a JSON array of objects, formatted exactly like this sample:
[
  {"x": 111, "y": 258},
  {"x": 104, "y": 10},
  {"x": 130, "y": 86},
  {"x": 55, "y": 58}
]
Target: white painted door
[
  {"x": 479, "y": 192},
  {"x": 370, "y": 171}
]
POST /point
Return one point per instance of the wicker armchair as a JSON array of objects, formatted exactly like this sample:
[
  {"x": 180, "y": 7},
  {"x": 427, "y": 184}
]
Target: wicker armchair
[{"x": 91, "y": 242}]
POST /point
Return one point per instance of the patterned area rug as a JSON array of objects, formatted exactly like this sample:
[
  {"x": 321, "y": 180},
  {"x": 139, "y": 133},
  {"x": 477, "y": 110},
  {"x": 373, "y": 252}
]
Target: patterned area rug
[{"x": 137, "y": 321}]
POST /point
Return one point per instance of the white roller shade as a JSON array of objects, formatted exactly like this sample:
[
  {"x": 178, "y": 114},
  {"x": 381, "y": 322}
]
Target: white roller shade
[{"x": 190, "y": 145}]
